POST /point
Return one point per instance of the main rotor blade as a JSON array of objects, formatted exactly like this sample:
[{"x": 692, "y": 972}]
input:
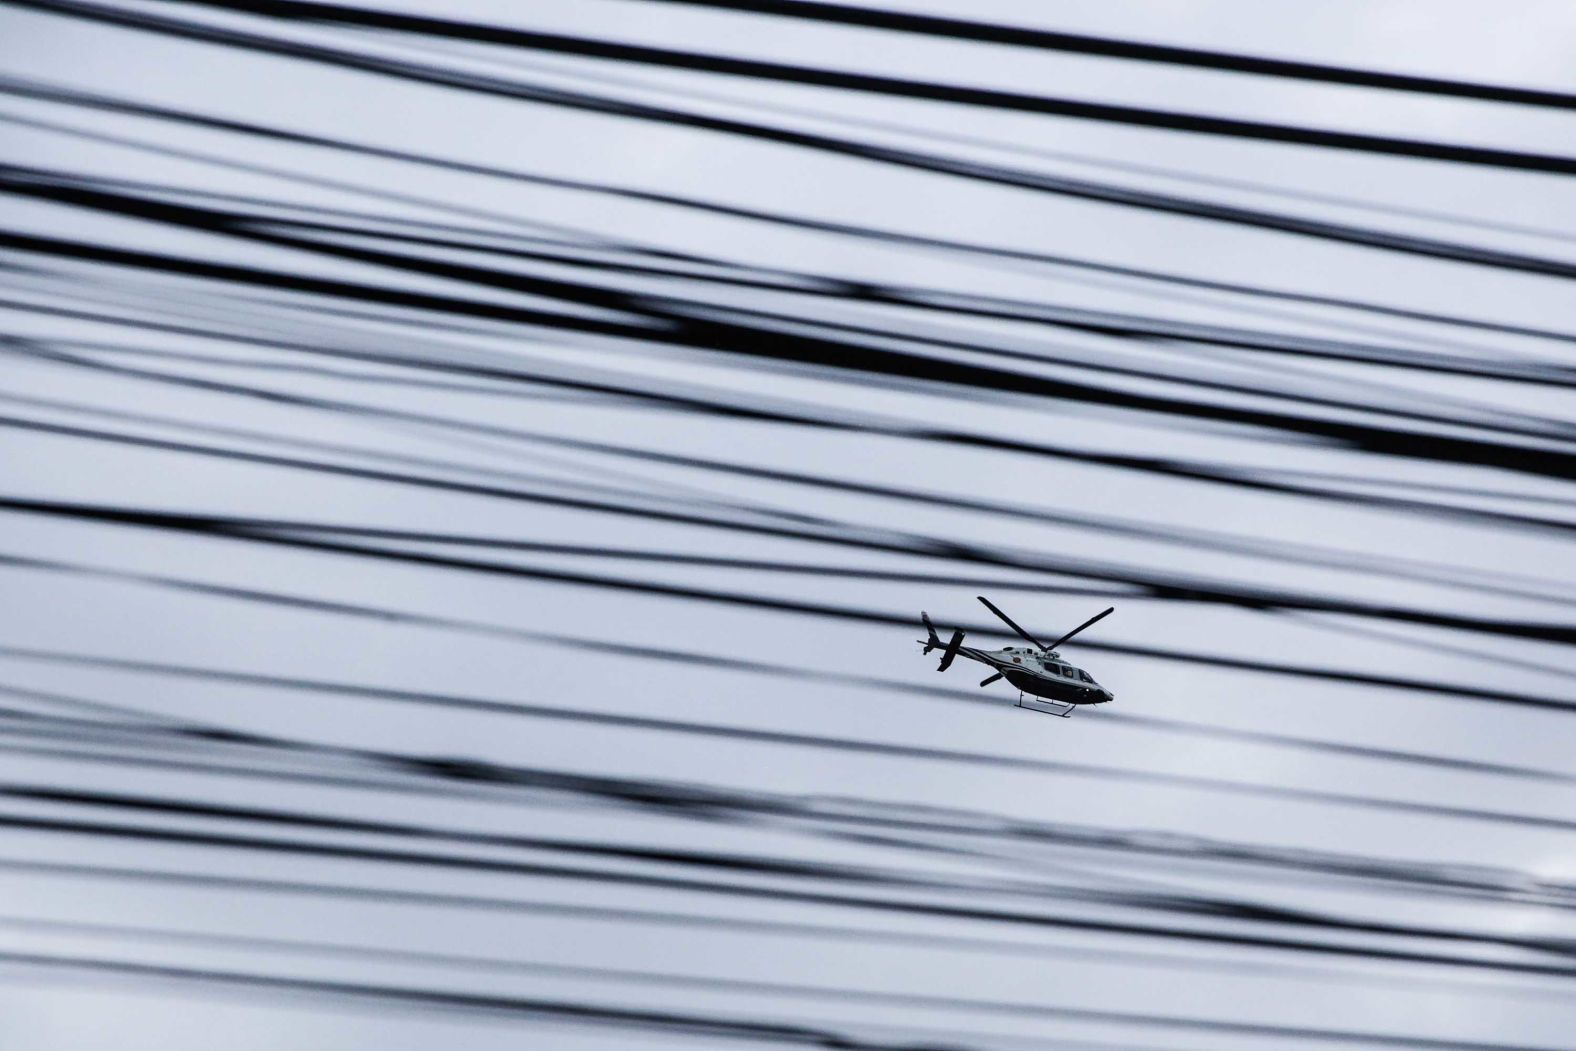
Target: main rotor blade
[
  {"x": 1081, "y": 627},
  {"x": 1011, "y": 624}
]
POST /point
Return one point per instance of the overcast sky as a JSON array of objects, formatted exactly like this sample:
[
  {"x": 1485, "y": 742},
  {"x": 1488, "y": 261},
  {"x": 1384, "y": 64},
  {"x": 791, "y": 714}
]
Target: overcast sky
[{"x": 1340, "y": 560}]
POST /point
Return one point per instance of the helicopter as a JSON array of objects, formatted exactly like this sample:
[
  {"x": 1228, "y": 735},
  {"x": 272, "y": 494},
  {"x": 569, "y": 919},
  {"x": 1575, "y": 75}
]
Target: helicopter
[{"x": 1055, "y": 685}]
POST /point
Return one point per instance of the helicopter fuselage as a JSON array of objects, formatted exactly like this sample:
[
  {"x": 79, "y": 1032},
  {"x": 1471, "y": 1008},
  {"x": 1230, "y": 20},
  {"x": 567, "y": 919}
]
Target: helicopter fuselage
[{"x": 1041, "y": 674}]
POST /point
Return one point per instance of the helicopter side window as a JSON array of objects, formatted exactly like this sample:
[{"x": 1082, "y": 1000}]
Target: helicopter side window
[{"x": 1084, "y": 675}]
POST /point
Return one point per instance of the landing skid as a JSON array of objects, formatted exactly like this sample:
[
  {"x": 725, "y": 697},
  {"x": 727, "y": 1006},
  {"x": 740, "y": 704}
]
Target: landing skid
[{"x": 1040, "y": 704}]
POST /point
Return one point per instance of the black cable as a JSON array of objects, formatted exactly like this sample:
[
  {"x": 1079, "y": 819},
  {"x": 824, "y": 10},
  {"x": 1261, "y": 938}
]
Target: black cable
[{"x": 910, "y": 22}]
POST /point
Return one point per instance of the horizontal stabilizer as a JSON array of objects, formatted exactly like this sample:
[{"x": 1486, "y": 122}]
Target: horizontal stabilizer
[{"x": 952, "y": 651}]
